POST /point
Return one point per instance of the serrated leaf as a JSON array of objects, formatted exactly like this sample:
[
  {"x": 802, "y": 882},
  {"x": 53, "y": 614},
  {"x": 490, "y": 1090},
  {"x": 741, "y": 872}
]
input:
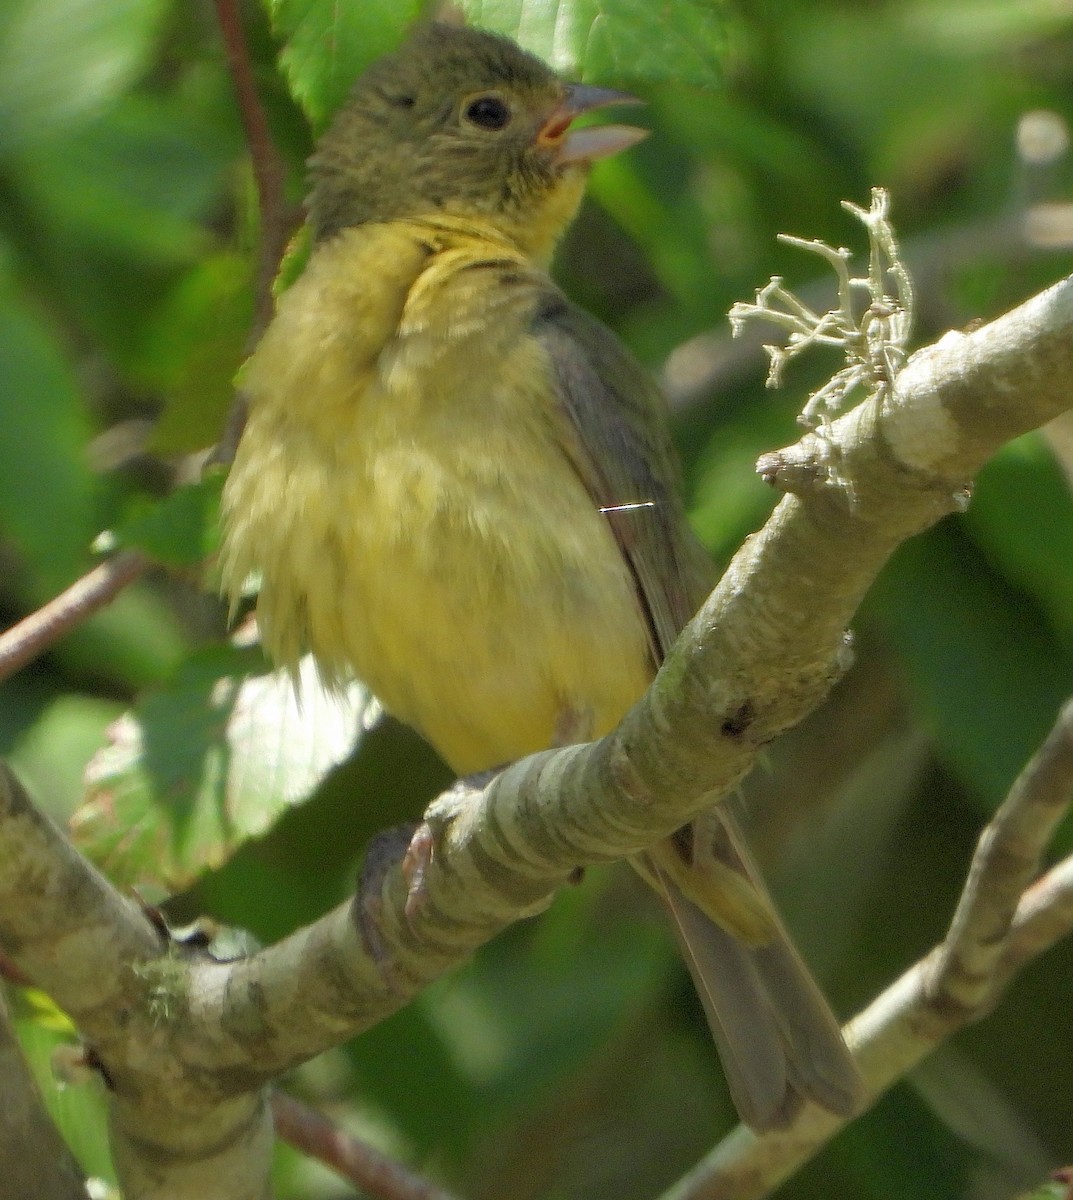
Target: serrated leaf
[
  {"x": 607, "y": 40},
  {"x": 327, "y": 45},
  {"x": 208, "y": 762},
  {"x": 180, "y": 530}
]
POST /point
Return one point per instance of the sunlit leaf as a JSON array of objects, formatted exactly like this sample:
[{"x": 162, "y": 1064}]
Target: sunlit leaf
[
  {"x": 78, "y": 1112},
  {"x": 328, "y": 44},
  {"x": 605, "y": 40},
  {"x": 51, "y": 755},
  {"x": 213, "y": 759}
]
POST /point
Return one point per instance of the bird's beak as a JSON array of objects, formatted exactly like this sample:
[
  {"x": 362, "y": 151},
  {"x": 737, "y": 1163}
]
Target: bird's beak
[{"x": 595, "y": 141}]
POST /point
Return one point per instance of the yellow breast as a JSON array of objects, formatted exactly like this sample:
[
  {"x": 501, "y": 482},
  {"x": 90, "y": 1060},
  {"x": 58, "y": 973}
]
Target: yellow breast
[{"x": 402, "y": 492}]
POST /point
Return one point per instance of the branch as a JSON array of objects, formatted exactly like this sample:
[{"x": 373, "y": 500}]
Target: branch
[
  {"x": 41, "y": 629},
  {"x": 278, "y": 219},
  {"x": 1007, "y": 859},
  {"x": 105, "y": 963},
  {"x": 356, "y": 1161},
  {"x": 761, "y": 653},
  {"x": 997, "y": 928},
  {"x": 269, "y": 172},
  {"x": 188, "y": 1042}
]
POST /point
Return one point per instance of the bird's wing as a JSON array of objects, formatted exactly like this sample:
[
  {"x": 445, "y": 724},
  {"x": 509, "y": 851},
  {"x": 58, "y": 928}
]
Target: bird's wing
[
  {"x": 777, "y": 1037},
  {"x": 613, "y": 428}
]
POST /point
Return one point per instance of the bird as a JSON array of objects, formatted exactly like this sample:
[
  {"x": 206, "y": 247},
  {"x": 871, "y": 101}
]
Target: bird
[{"x": 458, "y": 486}]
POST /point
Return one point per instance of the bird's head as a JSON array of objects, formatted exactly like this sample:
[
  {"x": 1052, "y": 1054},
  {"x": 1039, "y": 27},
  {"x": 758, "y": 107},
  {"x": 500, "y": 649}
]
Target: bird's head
[{"x": 461, "y": 122}]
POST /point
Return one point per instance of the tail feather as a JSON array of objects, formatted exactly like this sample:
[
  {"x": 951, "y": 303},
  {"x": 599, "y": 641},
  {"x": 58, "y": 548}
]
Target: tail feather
[
  {"x": 778, "y": 1040},
  {"x": 744, "y": 1025}
]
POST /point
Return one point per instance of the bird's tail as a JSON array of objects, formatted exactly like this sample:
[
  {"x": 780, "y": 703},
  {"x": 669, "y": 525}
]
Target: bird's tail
[{"x": 778, "y": 1040}]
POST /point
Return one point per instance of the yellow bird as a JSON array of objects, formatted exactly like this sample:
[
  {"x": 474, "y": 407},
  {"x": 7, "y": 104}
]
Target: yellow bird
[{"x": 459, "y": 487}]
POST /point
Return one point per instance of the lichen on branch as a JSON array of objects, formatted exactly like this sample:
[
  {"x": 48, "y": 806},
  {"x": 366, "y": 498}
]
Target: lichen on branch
[{"x": 873, "y": 337}]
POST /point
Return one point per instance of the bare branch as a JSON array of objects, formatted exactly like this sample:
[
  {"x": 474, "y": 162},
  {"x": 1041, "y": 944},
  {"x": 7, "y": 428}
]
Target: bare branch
[
  {"x": 106, "y": 964},
  {"x": 278, "y": 219},
  {"x": 269, "y": 172},
  {"x": 42, "y": 629},
  {"x": 998, "y": 927},
  {"x": 356, "y": 1161},
  {"x": 1007, "y": 859},
  {"x": 188, "y": 1042}
]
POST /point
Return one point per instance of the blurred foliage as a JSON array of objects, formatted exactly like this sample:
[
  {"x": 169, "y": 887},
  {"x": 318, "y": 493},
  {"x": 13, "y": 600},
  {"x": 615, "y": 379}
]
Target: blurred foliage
[{"x": 569, "y": 1058}]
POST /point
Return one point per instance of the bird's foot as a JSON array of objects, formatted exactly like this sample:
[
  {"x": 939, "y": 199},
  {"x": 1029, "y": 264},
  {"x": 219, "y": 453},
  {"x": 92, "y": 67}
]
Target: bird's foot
[{"x": 384, "y": 852}]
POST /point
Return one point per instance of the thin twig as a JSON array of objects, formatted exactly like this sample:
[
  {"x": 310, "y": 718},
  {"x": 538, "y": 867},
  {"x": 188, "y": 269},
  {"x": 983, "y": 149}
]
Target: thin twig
[
  {"x": 269, "y": 171},
  {"x": 1044, "y": 916},
  {"x": 354, "y": 1160},
  {"x": 41, "y": 629},
  {"x": 278, "y": 219},
  {"x": 1007, "y": 859}
]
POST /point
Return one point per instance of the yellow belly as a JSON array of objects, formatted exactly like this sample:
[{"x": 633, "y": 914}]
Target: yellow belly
[{"x": 434, "y": 540}]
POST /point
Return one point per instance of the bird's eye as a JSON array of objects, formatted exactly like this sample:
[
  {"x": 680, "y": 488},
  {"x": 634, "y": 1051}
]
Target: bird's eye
[{"x": 488, "y": 112}]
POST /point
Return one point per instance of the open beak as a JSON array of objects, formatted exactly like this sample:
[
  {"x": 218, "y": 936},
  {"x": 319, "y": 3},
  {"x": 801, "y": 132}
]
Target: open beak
[{"x": 595, "y": 141}]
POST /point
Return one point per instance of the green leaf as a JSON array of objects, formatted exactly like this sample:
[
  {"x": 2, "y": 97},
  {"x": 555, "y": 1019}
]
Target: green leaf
[
  {"x": 326, "y": 45},
  {"x": 194, "y": 349},
  {"x": 79, "y": 1112},
  {"x": 211, "y": 760},
  {"x": 104, "y": 214},
  {"x": 1035, "y": 555},
  {"x": 133, "y": 183},
  {"x": 182, "y": 529},
  {"x": 62, "y": 61},
  {"x": 608, "y": 40},
  {"x": 46, "y": 489},
  {"x": 988, "y": 673},
  {"x": 51, "y": 755}
]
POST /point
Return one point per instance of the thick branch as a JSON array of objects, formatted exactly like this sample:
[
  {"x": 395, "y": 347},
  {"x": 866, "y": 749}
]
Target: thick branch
[
  {"x": 762, "y": 653},
  {"x": 187, "y": 1042},
  {"x": 105, "y": 963}
]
